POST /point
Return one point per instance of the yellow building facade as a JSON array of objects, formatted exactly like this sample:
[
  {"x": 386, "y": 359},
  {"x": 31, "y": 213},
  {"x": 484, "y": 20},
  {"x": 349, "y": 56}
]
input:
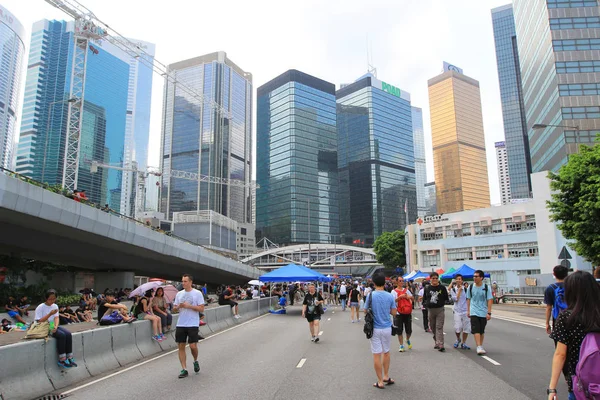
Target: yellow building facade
[{"x": 459, "y": 159}]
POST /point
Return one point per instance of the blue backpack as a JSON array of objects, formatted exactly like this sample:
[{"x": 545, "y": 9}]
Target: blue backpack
[{"x": 559, "y": 300}]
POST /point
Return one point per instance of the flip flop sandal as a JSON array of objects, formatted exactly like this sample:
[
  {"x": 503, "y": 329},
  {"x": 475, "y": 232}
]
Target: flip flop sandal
[
  {"x": 390, "y": 381},
  {"x": 376, "y": 384}
]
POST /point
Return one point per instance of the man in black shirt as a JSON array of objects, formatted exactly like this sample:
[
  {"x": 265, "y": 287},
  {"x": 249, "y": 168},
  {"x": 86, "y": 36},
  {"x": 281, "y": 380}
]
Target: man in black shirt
[
  {"x": 310, "y": 311},
  {"x": 111, "y": 304},
  {"x": 225, "y": 299},
  {"x": 434, "y": 298}
]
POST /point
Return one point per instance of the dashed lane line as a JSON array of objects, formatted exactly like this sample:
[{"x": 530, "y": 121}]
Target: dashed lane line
[
  {"x": 301, "y": 363},
  {"x": 518, "y": 321},
  {"x": 491, "y": 360},
  {"x": 328, "y": 319},
  {"x": 321, "y": 333}
]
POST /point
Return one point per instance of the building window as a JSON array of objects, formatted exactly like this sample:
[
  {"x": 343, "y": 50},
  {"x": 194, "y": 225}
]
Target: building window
[
  {"x": 573, "y": 67},
  {"x": 571, "y": 3},
  {"x": 439, "y": 232},
  {"x": 453, "y": 231},
  {"x": 581, "y": 112},
  {"x": 529, "y": 272},
  {"x": 489, "y": 252},
  {"x": 460, "y": 254},
  {"x": 579, "y": 89},
  {"x": 581, "y": 136},
  {"x": 427, "y": 235},
  {"x": 482, "y": 229},
  {"x": 521, "y": 250},
  {"x": 574, "y": 23},
  {"x": 499, "y": 277},
  {"x": 431, "y": 258},
  {"x": 576, "y": 44},
  {"x": 466, "y": 230},
  {"x": 497, "y": 225},
  {"x": 243, "y": 231}
]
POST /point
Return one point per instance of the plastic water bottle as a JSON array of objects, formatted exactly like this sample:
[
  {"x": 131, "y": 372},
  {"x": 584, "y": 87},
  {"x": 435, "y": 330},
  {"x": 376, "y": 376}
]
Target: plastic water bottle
[{"x": 52, "y": 325}]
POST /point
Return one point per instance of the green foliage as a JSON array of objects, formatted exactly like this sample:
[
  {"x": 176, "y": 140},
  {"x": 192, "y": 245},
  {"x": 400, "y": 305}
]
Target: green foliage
[
  {"x": 575, "y": 204},
  {"x": 68, "y": 300},
  {"x": 389, "y": 248}
]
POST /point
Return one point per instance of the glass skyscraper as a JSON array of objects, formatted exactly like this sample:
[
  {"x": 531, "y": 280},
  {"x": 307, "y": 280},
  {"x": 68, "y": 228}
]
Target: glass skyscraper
[
  {"x": 513, "y": 107},
  {"x": 376, "y": 159},
  {"x": 43, "y": 126},
  {"x": 420, "y": 164},
  {"x": 197, "y": 138},
  {"x": 12, "y": 50},
  {"x": 297, "y": 160},
  {"x": 558, "y": 43}
]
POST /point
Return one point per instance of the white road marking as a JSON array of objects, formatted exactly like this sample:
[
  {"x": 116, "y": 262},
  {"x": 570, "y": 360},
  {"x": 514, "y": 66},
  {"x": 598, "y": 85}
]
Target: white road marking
[
  {"x": 156, "y": 358},
  {"x": 333, "y": 312},
  {"x": 301, "y": 363},
  {"x": 320, "y": 333},
  {"x": 416, "y": 319},
  {"x": 490, "y": 360},
  {"x": 328, "y": 319},
  {"x": 518, "y": 321}
]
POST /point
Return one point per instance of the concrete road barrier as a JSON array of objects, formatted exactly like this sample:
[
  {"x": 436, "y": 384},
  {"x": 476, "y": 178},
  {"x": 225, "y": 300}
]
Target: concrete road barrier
[
  {"x": 98, "y": 351},
  {"x": 249, "y": 309},
  {"x": 59, "y": 376},
  {"x": 22, "y": 373},
  {"x": 143, "y": 338},
  {"x": 123, "y": 340}
]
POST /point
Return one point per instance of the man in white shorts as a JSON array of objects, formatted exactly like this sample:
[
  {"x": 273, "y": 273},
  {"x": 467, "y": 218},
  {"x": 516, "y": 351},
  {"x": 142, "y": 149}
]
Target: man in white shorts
[{"x": 462, "y": 323}]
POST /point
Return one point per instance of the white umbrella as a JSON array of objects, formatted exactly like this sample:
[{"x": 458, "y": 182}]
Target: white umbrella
[
  {"x": 140, "y": 290},
  {"x": 255, "y": 282}
]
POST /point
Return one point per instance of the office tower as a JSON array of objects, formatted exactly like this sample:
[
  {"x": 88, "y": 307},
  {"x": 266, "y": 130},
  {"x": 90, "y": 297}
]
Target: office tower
[
  {"x": 12, "y": 49},
  {"x": 376, "y": 159},
  {"x": 503, "y": 172},
  {"x": 212, "y": 137},
  {"x": 558, "y": 43},
  {"x": 420, "y": 165},
  {"x": 430, "y": 198},
  {"x": 513, "y": 106},
  {"x": 152, "y": 186},
  {"x": 45, "y": 113},
  {"x": 459, "y": 159},
  {"x": 296, "y": 166}
]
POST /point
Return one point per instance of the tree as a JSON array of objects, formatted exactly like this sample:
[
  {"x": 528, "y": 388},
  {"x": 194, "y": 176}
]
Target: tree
[
  {"x": 389, "y": 248},
  {"x": 575, "y": 205}
]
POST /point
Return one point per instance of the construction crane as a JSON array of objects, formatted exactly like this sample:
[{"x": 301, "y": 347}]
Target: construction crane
[
  {"x": 89, "y": 28},
  {"x": 213, "y": 179},
  {"x": 140, "y": 195}
]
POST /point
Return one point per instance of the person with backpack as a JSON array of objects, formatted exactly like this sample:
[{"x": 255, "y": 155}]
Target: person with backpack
[
  {"x": 403, "y": 299},
  {"x": 554, "y": 297},
  {"x": 577, "y": 332},
  {"x": 479, "y": 308}
]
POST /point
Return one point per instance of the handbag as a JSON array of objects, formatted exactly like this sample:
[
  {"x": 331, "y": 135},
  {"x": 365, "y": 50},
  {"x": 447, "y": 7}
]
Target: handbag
[
  {"x": 369, "y": 321},
  {"x": 38, "y": 330},
  {"x": 111, "y": 318}
]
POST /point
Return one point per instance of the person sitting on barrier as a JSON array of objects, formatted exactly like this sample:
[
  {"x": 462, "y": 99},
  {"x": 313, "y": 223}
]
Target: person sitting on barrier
[
  {"x": 74, "y": 317},
  {"x": 24, "y": 306},
  {"x": 109, "y": 305},
  {"x": 144, "y": 312},
  {"x": 159, "y": 306},
  {"x": 13, "y": 310},
  {"x": 63, "y": 317},
  {"x": 225, "y": 299},
  {"x": 48, "y": 311}
]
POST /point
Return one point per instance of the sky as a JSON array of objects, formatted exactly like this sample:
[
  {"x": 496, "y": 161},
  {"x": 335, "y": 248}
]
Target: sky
[{"x": 405, "y": 40}]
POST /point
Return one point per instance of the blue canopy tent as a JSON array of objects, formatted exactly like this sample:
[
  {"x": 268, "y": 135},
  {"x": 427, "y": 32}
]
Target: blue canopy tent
[
  {"x": 411, "y": 275},
  {"x": 293, "y": 272},
  {"x": 466, "y": 272},
  {"x": 420, "y": 275}
]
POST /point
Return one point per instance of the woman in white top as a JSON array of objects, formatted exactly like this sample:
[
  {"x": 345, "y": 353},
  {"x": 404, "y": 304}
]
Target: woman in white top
[{"x": 48, "y": 311}]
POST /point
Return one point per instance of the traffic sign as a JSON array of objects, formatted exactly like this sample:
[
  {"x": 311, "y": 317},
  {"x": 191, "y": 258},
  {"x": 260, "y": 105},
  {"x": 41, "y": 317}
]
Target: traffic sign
[
  {"x": 564, "y": 254},
  {"x": 566, "y": 263}
]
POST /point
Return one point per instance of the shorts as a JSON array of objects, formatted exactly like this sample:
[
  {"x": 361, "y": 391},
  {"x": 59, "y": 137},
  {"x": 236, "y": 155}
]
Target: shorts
[
  {"x": 142, "y": 316},
  {"x": 230, "y": 303},
  {"x": 462, "y": 323},
  {"x": 478, "y": 325},
  {"x": 12, "y": 314},
  {"x": 354, "y": 304},
  {"x": 186, "y": 333},
  {"x": 326, "y": 295},
  {"x": 313, "y": 317},
  {"x": 403, "y": 321},
  {"x": 380, "y": 341}
]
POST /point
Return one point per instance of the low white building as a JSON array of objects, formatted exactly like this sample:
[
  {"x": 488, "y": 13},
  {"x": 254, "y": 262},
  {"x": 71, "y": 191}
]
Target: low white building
[
  {"x": 246, "y": 240},
  {"x": 508, "y": 241}
]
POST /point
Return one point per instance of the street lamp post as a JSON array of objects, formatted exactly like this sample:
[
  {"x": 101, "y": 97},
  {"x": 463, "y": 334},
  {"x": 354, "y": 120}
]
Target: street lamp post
[{"x": 50, "y": 107}]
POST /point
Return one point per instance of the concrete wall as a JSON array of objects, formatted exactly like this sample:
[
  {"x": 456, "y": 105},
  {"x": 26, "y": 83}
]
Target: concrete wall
[{"x": 33, "y": 371}]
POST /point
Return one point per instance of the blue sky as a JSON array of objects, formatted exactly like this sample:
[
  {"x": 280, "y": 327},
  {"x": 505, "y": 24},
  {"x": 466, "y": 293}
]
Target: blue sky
[{"x": 408, "y": 41}]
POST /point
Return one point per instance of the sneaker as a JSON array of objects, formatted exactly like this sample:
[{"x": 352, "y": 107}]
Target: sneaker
[
  {"x": 436, "y": 347},
  {"x": 352, "y": 321},
  {"x": 456, "y": 344},
  {"x": 236, "y": 316},
  {"x": 442, "y": 349},
  {"x": 183, "y": 374},
  {"x": 202, "y": 323},
  {"x": 480, "y": 351},
  {"x": 312, "y": 339},
  {"x": 401, "y": 349},
  {"x": 64, "y": 363},
  {"x": 409, "y": 344},
  {"x": 157, "y": 338},
  {"x": 464, "y": 346},
  {"x": 196, "y": 366},
  {"x": 316, "y": 339},
  {"x": 72, "y": 362},
  {"x": 162, "y": 336}
]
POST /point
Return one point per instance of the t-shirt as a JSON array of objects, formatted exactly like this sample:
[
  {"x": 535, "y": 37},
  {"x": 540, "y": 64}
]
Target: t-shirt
[
  {"x": 572, "y": 338},
  {"x": 366, "y": 292},
  {"x": 255, "y": 294},
  {"x": 479, "y": 299},
  {"x": 354, "y": 293},
  {"x": 309, "y": 301},
  {"x": 460, "y": 304},
  {"x": 549, "y": 293},
  {"x": 395, "y": 294},
  {"x": 435, "y": 296},
  {"x": 382, "y": 304},
  {"x": 343, "y": 290},
  {"x": 222, "y": 299},
  {"x": 102, "y": 308},
  {"x": 43, "y": 309},
  {"x": 188, "y": 318}
]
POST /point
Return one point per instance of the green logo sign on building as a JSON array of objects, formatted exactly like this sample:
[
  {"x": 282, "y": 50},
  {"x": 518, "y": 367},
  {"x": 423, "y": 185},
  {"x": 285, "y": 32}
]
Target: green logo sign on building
[{"x": 393, "y": 90}]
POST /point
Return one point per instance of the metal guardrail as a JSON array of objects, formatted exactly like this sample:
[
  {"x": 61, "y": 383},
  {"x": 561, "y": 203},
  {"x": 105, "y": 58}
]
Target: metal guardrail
[{"x": 525, "y": 297}]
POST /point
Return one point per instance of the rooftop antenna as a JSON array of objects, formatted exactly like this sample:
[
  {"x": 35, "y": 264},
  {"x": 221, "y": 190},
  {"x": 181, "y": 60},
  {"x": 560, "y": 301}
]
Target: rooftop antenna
[{"x": 370, "y": 68}]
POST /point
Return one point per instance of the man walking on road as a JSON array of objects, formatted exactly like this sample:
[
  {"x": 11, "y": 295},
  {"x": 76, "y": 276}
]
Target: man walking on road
[
  {"x": 479, "y": 308},
  {"x": 310, "y": 311},
  {"x": 462, "y": 324},
  {"x": 189, "y": 302},
  {"x": 403, "y": 299},
  {"x": 435, "y": 297},
  {"x": 554, "y": 297},
  {"x": 343, "y": 294},
  {"x": 382, "y": 304}
]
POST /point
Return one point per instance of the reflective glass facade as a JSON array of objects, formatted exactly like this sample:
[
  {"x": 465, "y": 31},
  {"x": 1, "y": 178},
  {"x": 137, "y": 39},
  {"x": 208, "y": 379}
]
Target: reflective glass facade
[
  {"x": 43, "y": 126},
  {"x": 459, "y": 158},
  {"x": 420, "y": 164},
  {"x": 557, "y": 41},
  {"x": 12, "y": 51},
  {"x": 297, "y": 160},
  {"x": 196, "y": 138},
  {"x": 376, "y": 159},
  {"x": 513, "y": 107}
]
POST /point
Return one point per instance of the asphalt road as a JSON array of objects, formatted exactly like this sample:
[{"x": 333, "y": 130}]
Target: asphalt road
[{"x": 260, "y": 359}]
